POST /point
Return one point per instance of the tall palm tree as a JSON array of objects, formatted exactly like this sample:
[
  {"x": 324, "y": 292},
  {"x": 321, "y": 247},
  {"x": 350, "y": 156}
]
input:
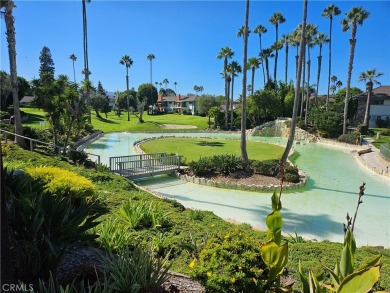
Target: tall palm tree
[
  {"x": 233, "y": 69},
  {"x": 311, "y": 32},
  {"x": 319, "y": 40},
  {"x": 150, "y": 57},
  {"x": 225, "y": 54},
  {"x": 329, "y": 12},
  {"x": 253, "y": 64},
  {"x": 10, "y": 32},
  {"x": 175, "y": 84},
  {"x": 355, "y": 16},
  {"x": 265, "y": 54},
  {"x": 287, "y": 40},
  {"x": 244, "y": 153},
  {"x": 166, "y": 81},
  {"x": 73, "y": 58},
  {"x": 261, "y": 30},
  {"x": 240, "y": 31},
  {"x": 126, "y": 60},
  {"x": 86, "y": 95},
  {"x": 295, "y": 42},
  {"x": 276, "y": 19},
  {"x": 339, "y": 84},
  {"x": 297, "y": 84},
  {"x": 370, "y": 77}
]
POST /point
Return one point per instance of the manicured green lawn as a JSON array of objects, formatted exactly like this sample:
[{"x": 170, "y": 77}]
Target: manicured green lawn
[
  {"x": 193, "y": 148},
  {"x": 384, "y": 139},
  {"x": 114, "y": 123}
]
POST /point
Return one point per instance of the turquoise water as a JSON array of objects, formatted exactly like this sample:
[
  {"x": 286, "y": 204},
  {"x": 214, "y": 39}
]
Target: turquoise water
[{"x": 317, "y": 211}]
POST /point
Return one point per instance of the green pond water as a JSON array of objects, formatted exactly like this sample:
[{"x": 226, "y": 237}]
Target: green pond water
[{"x": 316, "y": 211}]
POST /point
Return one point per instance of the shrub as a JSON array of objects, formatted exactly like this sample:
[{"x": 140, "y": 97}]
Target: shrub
[
  {"x": 266, "y": 168},
  {"x": 230, "y": 263},
  {"x": 385, "y": 132},
  {"x": 362, "y": 129},
  {"x": 202, "y": 167},
  {"x": 289, "y": 177},
  {"x": 349, "y": 137},
  {"x": 227, "y": 164},
  {"x": 112, "y": 235},
  {"x": 62, "y": 182},
  {"x": 77, "y": 157}
]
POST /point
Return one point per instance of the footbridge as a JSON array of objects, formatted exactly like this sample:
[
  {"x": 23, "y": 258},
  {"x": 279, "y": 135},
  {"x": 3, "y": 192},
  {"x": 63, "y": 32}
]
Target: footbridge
[{"x": 143, "y": 165}]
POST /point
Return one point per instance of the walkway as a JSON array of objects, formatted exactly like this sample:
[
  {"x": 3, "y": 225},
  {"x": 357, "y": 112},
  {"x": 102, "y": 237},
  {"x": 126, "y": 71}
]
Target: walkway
[{"x": 374, "y": 161}]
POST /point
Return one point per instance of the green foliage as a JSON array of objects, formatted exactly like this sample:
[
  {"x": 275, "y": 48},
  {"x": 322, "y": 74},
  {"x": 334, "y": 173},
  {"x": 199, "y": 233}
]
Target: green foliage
[
  {"x": 266, "y": 167},
  {"x": 383, "y": 123},
  {"x": 295, "y": 239},
  {"x": 136, "y": 271},
  {"x": 202, "y": 167},
  {"x": 263, "y": 106},
  {"x": 140, "y": 215},
  {"x": 77, "y": 157},
  {"x": 293, "y": 178},
  {"x": 204, "y": 104},
  {"x": 349, "y": 137},
  {"x": 113, "y": 236},
  {"x": 62, "y": 182},
  {"x": 363, "y": 129},
  {"x": 385, "y": 132},
  {"x": 98, "y": 102},
  {"x": 230, "y": 262},
  {"x": 223, "y": 164},
  {"x": 41, "y": 225},
  {"x": 326, "y": 122},
  {"x": 147, "y": 91}
]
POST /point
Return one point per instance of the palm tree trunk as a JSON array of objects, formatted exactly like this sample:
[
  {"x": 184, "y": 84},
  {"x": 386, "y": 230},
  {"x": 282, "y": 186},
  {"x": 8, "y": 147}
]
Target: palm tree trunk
[
  {"x": 318, "y": 74},
  {"x": 352, "y": 43},
  {"x": 127, "y": 94},
  {"x": 226, "y": 92},
  {"x": 308, "y": 88},
  {"x": 276, "y": 54},
  {"x": 330, "y": 60},
  {"x": 286, "y": 66},
  {"x": 303, "y": 82},
  {"x": 296, "y": 62},
  {"x": 298, "y": 82},
  {"x": 262, "y": 62},
  {"x": 231, "y": 104},
  {"x": 267, "y": 68},
  {"x": 253, "y": 80},
  {"x": 367, "y": 113},
  {"x": 10, "y": 32},
  {"x": 74, "y": 73},
  {"x": 86, "y": 66},
  {"x": 244, "y": 154}
]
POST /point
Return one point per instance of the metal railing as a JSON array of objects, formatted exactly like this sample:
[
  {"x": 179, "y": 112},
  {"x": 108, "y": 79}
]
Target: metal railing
[
  {"x": 144, "y": 165},
  {"x": 34, "y": 142},
  {"x": 385, "y": 151}
]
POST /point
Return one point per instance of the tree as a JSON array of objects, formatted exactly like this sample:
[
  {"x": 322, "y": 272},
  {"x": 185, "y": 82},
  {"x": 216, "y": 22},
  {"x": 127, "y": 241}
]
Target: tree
[
  {"x": 287, "y": 39},
  {"x": 262, "y": 106},
  {"x": 319, "y": 40},
  {"x": 73, "y": 58},
  {"x": 47, "y": 63},
  {"x": 5, "y": 89},
  {"x": 204, "y": 103},
  {"x": 100, "y": 89},
  {"x": 276, "y": 19},
  {"x": 148, "y": 92},
  {"x": 233, "y": 69},
  {"x": 86, "y": 70},
  {"x": 166, "y": 81},
  {"x": 244, "y": 153},
  {"x": 126, "y": 60},
  {"x": 175, "y": 84},
  {"x": 355, "y": 16},
  {"x": 370, "y": 77},
  {"x": 264, "y": 55},
  {"x": 261, "y": 30},
  {"x": 214, "y": 112},
  {"x": 253, "y": 64},
  {"x": 329, "y": 12},
  {"x": 99, "y": 102},
  {"x": 10, "y": 32},
  {"x": 225, "y": 54},
  {"x": 302, "y": 45},
  {"x": 150, "y": 57}
]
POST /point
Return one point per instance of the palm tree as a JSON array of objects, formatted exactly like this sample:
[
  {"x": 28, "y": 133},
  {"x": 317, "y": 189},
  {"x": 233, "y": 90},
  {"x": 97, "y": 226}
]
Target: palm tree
[
  {"x": 73, "y": 58},
  {"x": 166, "y": 81},
  {"x": 297, "y": 84},
  {"x": 265, "y": 54},
  {"x": 244, "y": 153},
  {"x": 86, "y": 66},
  {"x": 276, "y": 19},
  {"x": 150, "y": 57},
  {"x": 261, "y": 30},
  {"x": 329, "y": 12},
  {"x": 240, "y": 32},
  {"x": 287, "y": 41},
  {"x": 253, "y": 64},
  {"x": 295, "y": 42},
  {"x": 10, "y": 32},
  {"x": 126, "y": 60},
  {"x": 175, "y": 84},
  {"x": 233, "y": 69},
  {"x": 225, "y": 54},
  {"x": 369, "y": 77},
  {"x": 311, "y": 32},
  {"x": 339, "y": 84},
  {"x": 354, "y": 17},
  {"x": 156, "y": 83},
  {"x": 319, "y": 40}
]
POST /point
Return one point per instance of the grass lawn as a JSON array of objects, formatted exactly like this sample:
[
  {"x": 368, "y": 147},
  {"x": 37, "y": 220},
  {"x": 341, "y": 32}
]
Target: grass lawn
[
  {"x": 384, "y": 139},
  {"x": 194, "y": 148},
  {"x": 114, "y": 123}
]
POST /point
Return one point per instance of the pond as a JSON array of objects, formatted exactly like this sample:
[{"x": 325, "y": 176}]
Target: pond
[{"x": 316, "y": 211}]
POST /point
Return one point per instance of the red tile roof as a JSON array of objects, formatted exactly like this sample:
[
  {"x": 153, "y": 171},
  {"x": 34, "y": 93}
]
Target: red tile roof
[{"x": 381, "y": 92}]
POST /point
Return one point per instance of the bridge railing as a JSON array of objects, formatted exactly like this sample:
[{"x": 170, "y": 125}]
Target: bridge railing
[{"x": 115, "y": 161}]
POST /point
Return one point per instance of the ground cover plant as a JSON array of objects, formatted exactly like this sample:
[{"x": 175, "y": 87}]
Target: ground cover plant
[
  {"x": 191, "y": 149},
  {"x": 190, "y": 234},
  {"x": 114, "y": 123}
]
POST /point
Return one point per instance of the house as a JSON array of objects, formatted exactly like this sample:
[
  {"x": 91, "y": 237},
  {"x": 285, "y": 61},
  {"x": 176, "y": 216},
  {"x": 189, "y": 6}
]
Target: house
[
  {"x": 379, "y": 115},
  {"x": 177, "y": 104},
  {"x": 26, "y": 101}
]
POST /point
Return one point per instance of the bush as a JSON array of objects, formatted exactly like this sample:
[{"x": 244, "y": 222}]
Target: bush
[
  {"x": 227, "y": 164},
  {"x": 383, "y": 123},
  {"x": 230, "y": 263},
  {"x": 266, "y": 168},
  {"x": 77, "y": 157},
  {"x": 362, "y": 129},
  {"x": 202, "y": 167},
  {"x": 385, "y": 132},
  {"x": 349, "y": 137},
  {"x": 289, "y": 177},
  {"x": 62, "y": 182}
]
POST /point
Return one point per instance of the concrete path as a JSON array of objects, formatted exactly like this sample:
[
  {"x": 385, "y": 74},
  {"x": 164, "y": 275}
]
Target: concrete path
[{"x": 374, "y": 160}]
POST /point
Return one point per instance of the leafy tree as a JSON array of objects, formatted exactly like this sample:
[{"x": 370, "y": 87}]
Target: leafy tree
[
  {"x": 204, "y": 103},
  {"x": 121, "y": 100},
  {"x": 263, "y": 106},
  {"x": 99, "y": 102},
  {"x": 147, "y": 91},
  {"x": 214, "y": 111},
  {"x": 47, "y": 63},
  {"x": 338, "y": 105},
  {"x": 100, "y": 90},
  {"x": 169, "y": 92},
  {"x": 286, "y": 98},
  {"x": 329, "y": 12},
  {"x": 5, "y": 89},
  {"x": 326, "y": 122},
  {"x": 355, "y": 16}
]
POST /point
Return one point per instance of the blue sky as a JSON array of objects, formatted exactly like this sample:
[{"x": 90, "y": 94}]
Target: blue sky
[{"x": 185, "y": 37}]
